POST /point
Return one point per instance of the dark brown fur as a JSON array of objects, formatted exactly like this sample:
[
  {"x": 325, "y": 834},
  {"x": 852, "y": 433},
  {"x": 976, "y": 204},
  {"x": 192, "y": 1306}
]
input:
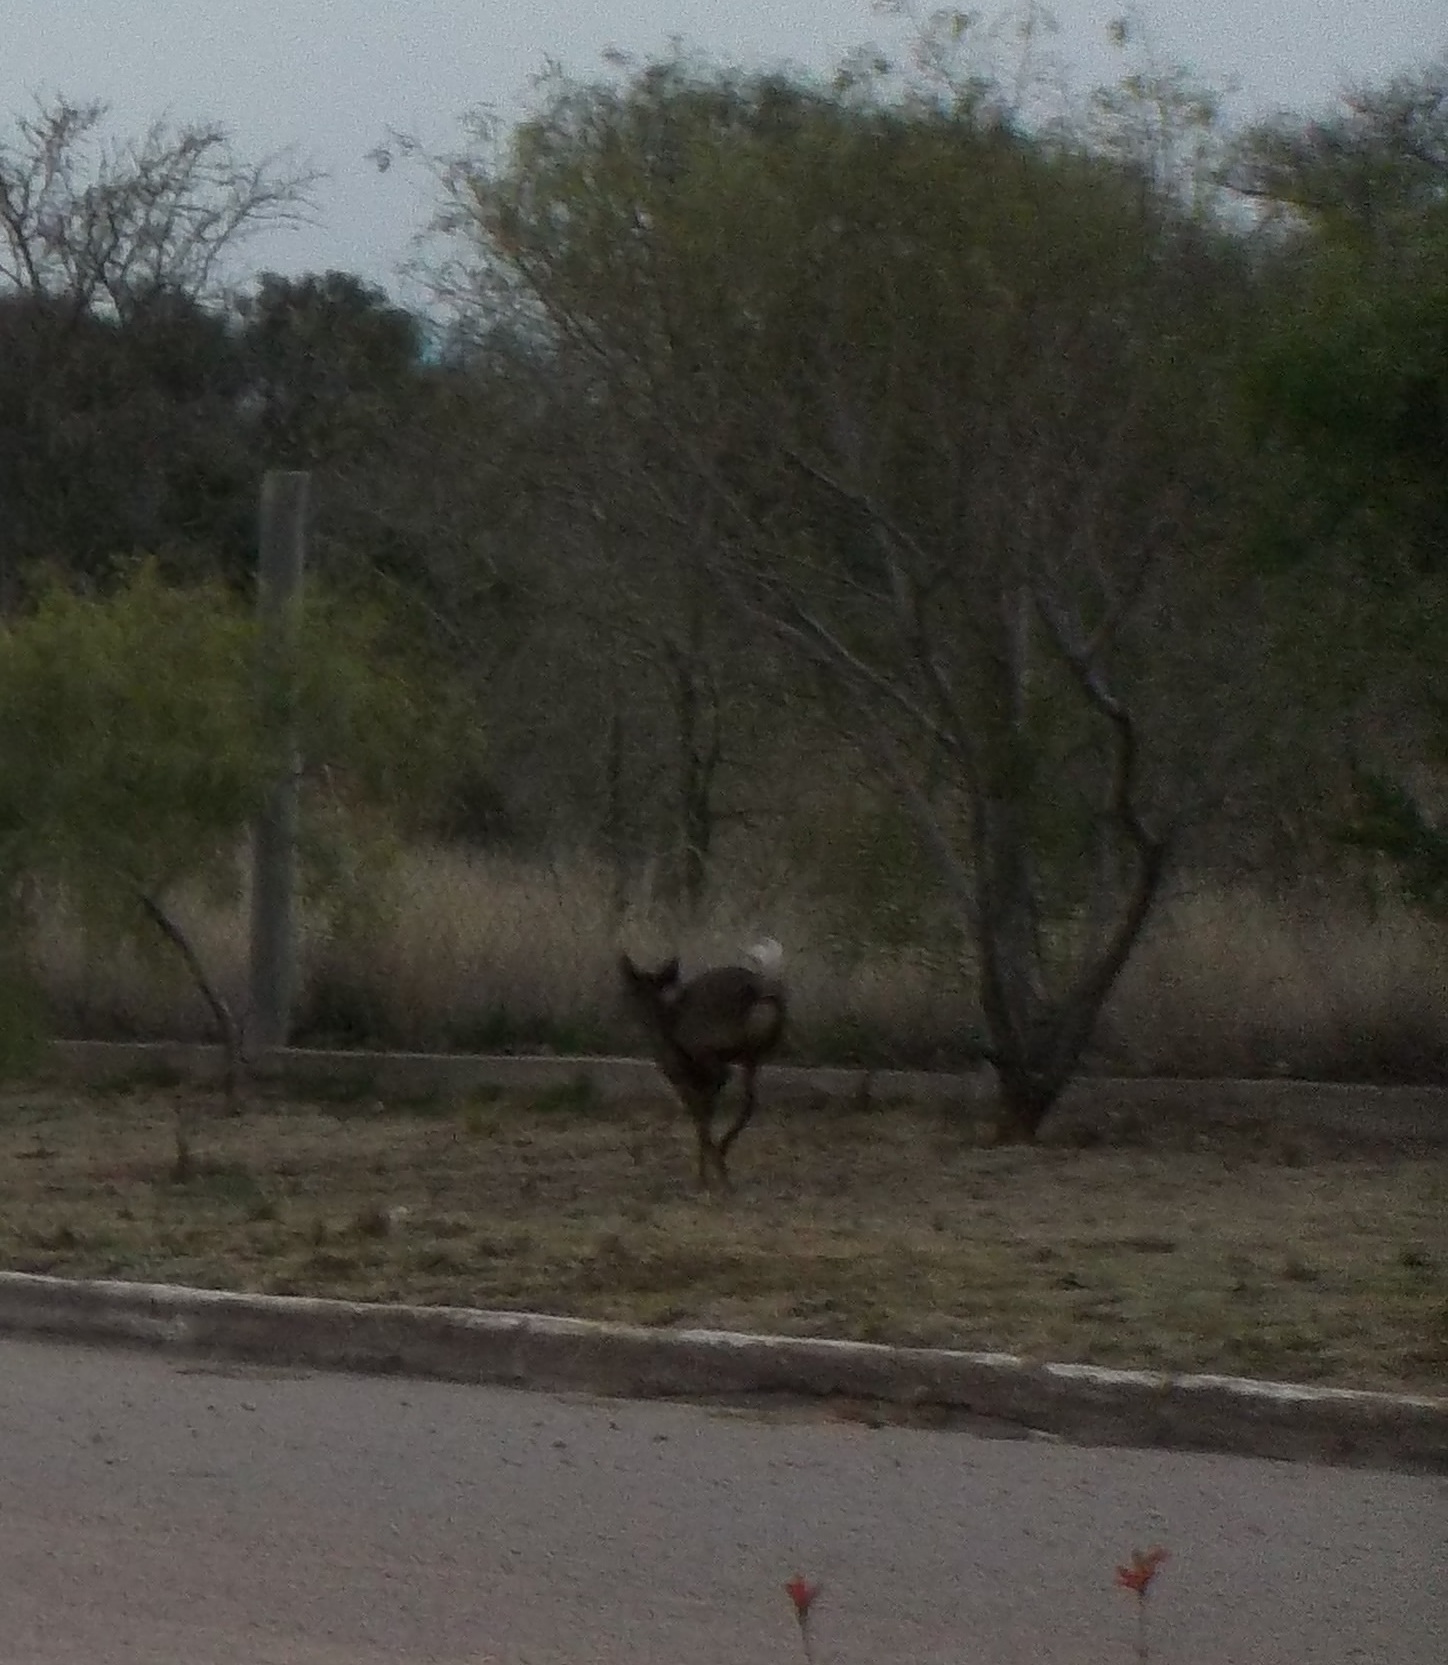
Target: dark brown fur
[{"x": 699, "y": 1030}]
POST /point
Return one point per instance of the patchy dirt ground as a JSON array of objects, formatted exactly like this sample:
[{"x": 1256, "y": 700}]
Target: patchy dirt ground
[{"x": 1286, "y": 1254}]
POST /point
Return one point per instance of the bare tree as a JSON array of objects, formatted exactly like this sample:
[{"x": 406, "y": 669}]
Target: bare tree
[
  {"x": 1023, "y": 654},
  {"x": 951, "y": 395},
  {"x": 94, "y": 221}
]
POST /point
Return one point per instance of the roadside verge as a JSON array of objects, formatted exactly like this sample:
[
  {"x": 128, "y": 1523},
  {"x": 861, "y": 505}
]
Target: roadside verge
[{"x": 1081, "y": 1403}]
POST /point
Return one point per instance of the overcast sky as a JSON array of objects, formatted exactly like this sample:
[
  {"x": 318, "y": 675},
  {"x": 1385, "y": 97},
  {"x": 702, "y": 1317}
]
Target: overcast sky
[{"x": 330, "y": 76}]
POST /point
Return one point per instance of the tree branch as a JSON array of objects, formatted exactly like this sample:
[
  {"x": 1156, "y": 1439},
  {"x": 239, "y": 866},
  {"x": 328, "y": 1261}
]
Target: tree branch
[{"x": 219, "y": 1008}]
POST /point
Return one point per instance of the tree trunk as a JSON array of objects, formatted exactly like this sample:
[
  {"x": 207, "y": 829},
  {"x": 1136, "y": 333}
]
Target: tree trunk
[
  {"x": 1037, "y": 1042},
  {"x": 616, "y": 811},
  {"x": 697, "y": 711},
  {"x": 220, "y": 1010},
  {"x": 1024, "y": 1100}
]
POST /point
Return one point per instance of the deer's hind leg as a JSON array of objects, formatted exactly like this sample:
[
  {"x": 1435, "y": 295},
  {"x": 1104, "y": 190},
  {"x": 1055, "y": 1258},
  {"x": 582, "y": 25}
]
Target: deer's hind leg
[
  {"x": 706, "y": 1150},
  {"x": 718, "y": 1156},
  {"x": 740, "y": 1122},
  {"x": 698, "y": 1087}
]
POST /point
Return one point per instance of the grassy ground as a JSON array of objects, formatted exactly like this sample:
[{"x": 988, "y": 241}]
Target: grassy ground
[{"x": 1188, "y": 1247}]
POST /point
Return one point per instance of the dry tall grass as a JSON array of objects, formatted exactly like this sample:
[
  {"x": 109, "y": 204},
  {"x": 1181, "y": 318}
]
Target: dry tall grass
[
  {"x": 491, "y": 952},
  {"x": 1232, "y": 984}
]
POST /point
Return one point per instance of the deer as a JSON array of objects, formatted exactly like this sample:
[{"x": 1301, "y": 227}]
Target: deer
[{"x": 701, "y": 1028}]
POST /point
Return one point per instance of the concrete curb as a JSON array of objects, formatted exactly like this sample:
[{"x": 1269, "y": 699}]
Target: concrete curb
[
  {"x": 405, "y": 1075},
  {"x": 1081, "y": 1403}
]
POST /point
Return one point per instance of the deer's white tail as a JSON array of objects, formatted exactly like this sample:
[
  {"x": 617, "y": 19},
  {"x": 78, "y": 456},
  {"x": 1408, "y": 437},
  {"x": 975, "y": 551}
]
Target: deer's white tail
[{"x": 766, "y": 955}]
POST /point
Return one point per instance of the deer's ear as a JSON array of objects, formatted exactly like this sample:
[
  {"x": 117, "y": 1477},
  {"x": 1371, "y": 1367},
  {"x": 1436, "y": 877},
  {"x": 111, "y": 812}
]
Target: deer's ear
[
  {"x": 668, "y": 972},
  {"x": 628, "y": 968}
]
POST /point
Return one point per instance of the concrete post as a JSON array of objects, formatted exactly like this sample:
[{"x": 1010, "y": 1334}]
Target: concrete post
[{"x": 280, "y": 565}]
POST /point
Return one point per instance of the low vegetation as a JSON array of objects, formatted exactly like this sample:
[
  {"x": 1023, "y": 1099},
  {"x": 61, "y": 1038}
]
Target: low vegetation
[
  {"x": 480, "y": 953},
  {"x": 1288, "y": 1254}
]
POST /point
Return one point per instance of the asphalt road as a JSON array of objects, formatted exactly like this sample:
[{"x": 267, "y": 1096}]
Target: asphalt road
[{"x": 155, "y": 1512}]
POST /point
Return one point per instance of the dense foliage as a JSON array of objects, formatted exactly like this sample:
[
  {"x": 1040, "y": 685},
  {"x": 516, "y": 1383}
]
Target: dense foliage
[{"x": 829, "y": 469}]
